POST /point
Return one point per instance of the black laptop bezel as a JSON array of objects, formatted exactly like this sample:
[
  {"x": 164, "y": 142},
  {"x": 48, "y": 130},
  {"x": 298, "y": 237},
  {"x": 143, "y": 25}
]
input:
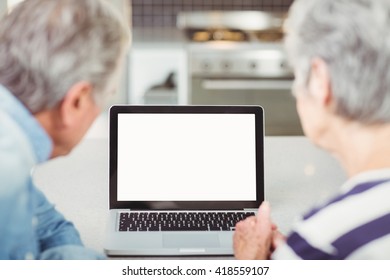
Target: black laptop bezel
[{"x": 185, "y": 109}]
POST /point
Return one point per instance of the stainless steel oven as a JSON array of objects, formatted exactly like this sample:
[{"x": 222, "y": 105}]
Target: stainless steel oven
[
  {"x": 237, "y": 58},
  {"x": 255, "y": 76}
]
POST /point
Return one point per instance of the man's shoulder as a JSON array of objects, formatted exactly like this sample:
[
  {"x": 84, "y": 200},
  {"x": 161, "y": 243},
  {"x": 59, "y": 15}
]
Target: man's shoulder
[{"x": 16, "y": 156}]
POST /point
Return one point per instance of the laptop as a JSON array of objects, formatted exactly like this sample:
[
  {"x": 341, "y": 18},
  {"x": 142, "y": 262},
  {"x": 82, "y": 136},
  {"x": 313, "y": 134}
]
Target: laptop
[{"x": 180, "y": 177}]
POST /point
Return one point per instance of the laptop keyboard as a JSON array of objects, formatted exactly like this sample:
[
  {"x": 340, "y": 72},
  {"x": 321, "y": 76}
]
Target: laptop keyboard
[{"x": 181, "y": 221}]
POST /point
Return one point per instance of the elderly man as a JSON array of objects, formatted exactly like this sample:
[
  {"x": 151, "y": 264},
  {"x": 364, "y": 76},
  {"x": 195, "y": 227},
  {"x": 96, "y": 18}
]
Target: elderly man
[
  {"x": 59, "y": 60},
  {"x": 340, "y": 51}
]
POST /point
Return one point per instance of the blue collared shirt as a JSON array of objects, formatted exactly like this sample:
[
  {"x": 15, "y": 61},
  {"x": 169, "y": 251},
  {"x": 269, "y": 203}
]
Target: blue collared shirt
[{"x": 30, "y": 226}]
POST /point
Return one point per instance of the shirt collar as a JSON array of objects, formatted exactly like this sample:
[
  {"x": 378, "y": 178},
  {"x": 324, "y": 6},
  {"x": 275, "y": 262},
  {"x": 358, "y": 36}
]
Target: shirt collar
[
  {"x": 37, "y": 136},
  {"x": 367, "y": 176}
]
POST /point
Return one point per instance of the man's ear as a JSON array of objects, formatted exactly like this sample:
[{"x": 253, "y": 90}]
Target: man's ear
[
  {"x": 74, "y": 103},
  {"x": 320, "y": 83}
]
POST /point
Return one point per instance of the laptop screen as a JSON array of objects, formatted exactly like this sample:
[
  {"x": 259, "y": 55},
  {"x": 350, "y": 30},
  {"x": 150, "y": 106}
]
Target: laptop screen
[{"x": 201, "y": 156}]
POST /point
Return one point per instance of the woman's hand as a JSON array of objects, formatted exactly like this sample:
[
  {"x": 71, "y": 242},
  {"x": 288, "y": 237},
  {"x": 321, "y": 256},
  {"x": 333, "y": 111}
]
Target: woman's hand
[{"x": 256, "y": 237}]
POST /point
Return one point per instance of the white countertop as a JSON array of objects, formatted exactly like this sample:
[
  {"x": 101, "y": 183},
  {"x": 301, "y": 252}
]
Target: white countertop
[{"x": 297, "y": 176}]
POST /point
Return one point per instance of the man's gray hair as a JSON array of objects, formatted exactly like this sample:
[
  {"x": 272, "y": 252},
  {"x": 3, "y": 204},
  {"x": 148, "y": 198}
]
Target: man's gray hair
[
  {"x": 46, "y": 46},
  {"x": 353, "y": 38}
]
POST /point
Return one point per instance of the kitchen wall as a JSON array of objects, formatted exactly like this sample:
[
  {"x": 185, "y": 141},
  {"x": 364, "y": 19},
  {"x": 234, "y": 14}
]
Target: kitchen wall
[{"x": 162, "y": 13}]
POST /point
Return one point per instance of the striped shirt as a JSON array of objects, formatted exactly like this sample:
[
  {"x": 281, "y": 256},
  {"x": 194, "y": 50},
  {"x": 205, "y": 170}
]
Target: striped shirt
[{"x": 353, "y": 225}]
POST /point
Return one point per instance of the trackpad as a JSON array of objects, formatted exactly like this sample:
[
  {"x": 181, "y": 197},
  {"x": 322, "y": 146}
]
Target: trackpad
[{"x": 178, "y": 240}]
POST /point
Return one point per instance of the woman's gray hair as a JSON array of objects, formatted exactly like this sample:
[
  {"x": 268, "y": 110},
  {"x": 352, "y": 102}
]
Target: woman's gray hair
[
  {"x": 353, "y": 38},
  {"x": 46, "y": 46}
]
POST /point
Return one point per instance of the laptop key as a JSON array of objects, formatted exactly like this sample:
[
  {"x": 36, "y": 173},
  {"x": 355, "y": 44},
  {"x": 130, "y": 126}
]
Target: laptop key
[
  {"x": 153, "y": 229},
  {"x": 167, "y": 228},
  {"x": 215, "y": 227}
]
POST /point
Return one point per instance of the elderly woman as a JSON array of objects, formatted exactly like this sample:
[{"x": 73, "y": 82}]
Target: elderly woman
[{"x": 340, "y": 52}]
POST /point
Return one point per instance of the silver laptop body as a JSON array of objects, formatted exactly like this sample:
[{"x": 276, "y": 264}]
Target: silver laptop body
[{"x": 191, "y": 160}]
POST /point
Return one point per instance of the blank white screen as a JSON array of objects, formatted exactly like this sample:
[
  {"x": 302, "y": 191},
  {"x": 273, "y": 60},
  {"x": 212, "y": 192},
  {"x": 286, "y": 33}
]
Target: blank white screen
[{"x": 186, "y": 157}]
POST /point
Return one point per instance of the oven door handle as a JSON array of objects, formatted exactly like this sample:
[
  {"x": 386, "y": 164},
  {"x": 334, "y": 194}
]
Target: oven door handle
[{"x": 242, "y": 84}]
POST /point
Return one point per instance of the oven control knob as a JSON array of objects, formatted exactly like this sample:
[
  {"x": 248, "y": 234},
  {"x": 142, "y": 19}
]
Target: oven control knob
[
  {"x": 253, "y": 65},
  {"x": 284, "y": 65},
  {"x": 206, "y": 65},
  {"x": 226, "y": 65}
]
